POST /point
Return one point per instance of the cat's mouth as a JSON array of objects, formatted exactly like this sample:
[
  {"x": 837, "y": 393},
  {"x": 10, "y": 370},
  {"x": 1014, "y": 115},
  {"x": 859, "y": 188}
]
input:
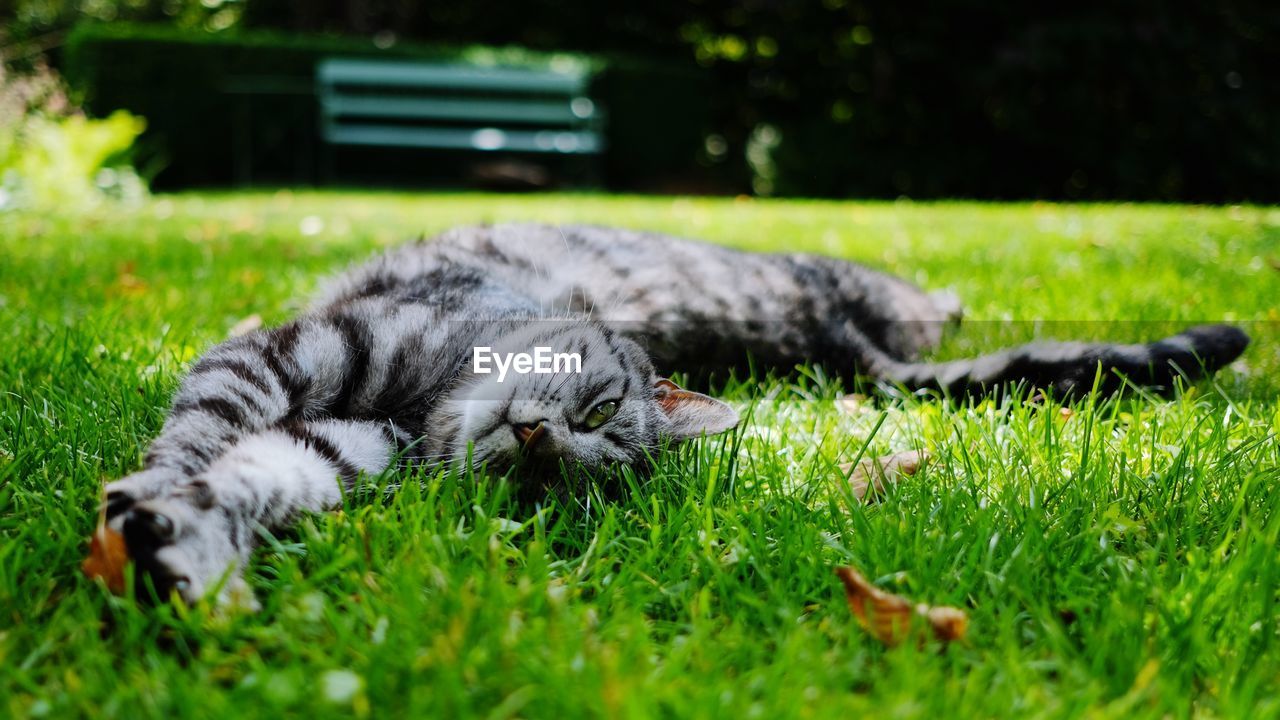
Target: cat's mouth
[
  {"x": 533, "y": 451},
  {"x": 500, "y": 446}
]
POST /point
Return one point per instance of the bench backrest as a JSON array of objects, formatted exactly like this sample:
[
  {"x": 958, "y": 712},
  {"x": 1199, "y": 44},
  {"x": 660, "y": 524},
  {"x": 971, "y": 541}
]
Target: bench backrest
[{"x": 454, "y": 106}]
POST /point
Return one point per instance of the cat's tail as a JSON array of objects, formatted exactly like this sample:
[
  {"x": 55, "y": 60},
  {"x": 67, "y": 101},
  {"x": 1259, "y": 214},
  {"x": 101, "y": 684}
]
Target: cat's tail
[{"x": 1072, "y": 368}]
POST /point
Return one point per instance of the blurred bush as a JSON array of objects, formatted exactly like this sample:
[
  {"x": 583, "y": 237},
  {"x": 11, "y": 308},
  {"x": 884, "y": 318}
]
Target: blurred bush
[
  {"x": 218, "y": 104},
  {"x": 32, "y": 24},
  {"x": 1144, "y": 101},
  {"x": 52, "y": 156}
]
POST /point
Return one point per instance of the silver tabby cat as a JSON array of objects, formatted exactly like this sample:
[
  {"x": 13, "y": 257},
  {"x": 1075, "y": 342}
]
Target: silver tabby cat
[{"x": 381, "y": 371}]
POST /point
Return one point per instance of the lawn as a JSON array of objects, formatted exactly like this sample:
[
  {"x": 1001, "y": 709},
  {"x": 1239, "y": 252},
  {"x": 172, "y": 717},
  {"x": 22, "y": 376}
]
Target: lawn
[{"x": 1116, "y": 560}]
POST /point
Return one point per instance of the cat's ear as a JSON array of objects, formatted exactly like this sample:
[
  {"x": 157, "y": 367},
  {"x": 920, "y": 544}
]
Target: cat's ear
[{"x": 693, "y": 414}]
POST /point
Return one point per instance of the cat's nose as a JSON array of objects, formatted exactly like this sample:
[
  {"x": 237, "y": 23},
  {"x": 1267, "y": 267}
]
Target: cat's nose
[{"x": 528, "y": 434}]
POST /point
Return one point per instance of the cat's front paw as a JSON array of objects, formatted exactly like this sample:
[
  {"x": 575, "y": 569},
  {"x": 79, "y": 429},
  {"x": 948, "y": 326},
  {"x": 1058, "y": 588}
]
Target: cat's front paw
[
  {"x": 121, "y": 495},
  {"x": 181, "y": 541}
]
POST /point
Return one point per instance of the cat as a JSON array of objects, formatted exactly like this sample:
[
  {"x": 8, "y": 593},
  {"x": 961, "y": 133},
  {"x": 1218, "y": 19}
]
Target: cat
[{"x": 387, "y": 369}]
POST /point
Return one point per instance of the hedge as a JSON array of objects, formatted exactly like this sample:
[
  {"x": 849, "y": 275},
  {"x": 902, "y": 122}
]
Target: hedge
[{"x": 218, "y": 102}]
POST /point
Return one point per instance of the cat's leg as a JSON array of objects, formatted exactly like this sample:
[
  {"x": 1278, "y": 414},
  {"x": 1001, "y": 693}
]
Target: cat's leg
[
  {"x": 1066, "y": 368},
  {"x": 194, "y": 535},
  {"x": 876, "y": 324},
  {"x": 242, "y": 386}
]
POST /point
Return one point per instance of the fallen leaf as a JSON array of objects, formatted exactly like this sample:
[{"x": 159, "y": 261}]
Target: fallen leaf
[
  {"x": 245, "y": 326},
  {"x": 108, "y": 555},
  {"x": 127, "y": 285},
  {"x": 879, "y": 473},
  {"x": 892, "y": 618}
]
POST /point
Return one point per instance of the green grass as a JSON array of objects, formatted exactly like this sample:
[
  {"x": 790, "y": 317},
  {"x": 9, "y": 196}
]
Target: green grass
[{"x": 1120, "y": 562}]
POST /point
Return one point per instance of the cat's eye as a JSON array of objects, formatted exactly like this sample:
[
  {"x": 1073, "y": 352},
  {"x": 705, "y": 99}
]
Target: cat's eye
[{"x": 600, "y": 414}]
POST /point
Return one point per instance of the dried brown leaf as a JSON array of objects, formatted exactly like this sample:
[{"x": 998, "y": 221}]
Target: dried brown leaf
[
  {"x": 870, "y": 477},
  {"x": 892, "y": 618},
  {"x": 852, "y": 403},
  {"x": 108, "y": 555}
]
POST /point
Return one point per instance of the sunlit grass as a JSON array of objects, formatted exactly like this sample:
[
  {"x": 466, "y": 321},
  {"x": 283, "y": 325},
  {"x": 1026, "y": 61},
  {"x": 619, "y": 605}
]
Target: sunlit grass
[{"x": 1119, "y": 558}]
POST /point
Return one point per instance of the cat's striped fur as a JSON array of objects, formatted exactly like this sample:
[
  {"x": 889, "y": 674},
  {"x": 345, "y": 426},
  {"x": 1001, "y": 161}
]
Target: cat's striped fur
[{"x": 379, "y": 371}]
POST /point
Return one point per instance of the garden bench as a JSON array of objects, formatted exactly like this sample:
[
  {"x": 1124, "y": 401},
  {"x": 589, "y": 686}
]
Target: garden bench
[{"x": 457, "y": 107}]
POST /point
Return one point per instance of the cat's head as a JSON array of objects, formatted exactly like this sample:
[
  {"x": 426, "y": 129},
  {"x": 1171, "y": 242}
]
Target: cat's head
[{"x": 576, "y": 393}]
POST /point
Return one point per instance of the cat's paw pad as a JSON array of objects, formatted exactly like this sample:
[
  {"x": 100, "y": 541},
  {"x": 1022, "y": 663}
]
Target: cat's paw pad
[
  {"x": 182, "y": 544},
  {"x": 148, "y": 533}
]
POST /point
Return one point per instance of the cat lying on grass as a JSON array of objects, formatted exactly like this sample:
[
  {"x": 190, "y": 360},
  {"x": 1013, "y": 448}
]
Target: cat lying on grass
[{"x": 388, "y": 367}]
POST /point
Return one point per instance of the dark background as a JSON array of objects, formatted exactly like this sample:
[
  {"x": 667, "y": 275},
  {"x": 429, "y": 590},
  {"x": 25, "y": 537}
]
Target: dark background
[{"x": 1002, "y": 100}]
